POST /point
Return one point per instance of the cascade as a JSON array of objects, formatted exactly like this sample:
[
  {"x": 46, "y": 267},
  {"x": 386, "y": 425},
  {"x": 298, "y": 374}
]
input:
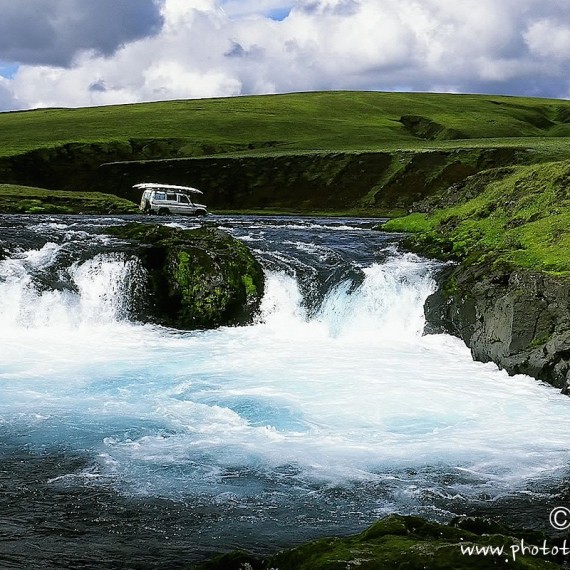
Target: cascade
[{"x": 35, "y": 291}]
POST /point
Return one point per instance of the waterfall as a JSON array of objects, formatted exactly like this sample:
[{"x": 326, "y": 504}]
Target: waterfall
[{"x": 95, "y": 291}]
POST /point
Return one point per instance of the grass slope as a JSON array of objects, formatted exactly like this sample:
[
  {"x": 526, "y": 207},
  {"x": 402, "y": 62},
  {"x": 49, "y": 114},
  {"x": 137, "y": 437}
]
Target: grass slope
[
  {"x": 29, "y": 200},
  {"x": 302, "y": 122},
  {"x": 518, "y": 216}
]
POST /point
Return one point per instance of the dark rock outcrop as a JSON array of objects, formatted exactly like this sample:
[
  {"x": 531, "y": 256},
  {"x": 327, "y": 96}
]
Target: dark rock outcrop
[
  {"x": 518, "y": 319},
  {"x": 196, "y": 279},
  {"x": 320, "y": 181}
]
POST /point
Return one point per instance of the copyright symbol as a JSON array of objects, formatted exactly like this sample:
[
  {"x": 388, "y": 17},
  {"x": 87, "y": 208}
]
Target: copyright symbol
[{"x": 560, "y": 518}]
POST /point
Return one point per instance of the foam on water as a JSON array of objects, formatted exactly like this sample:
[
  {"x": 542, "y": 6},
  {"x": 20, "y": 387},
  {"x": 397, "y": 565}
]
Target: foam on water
[
  {"x": 353, "y": 393},
  {"x": 96, "y": 292}
]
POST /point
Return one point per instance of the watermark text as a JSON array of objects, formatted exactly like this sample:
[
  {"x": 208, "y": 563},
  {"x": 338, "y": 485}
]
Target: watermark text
[
  {"x": 514, "y": 550},
  {"x": 559, "y": 520}
]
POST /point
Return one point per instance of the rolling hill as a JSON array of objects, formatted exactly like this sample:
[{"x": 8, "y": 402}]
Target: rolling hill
[{"x": 303, "y": 151}]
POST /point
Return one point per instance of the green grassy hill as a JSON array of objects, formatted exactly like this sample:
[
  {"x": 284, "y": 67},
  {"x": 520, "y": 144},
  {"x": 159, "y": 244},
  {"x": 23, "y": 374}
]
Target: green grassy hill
[
  {"x": 27, "y": 200},
  {"x": 302, "y": 122}
]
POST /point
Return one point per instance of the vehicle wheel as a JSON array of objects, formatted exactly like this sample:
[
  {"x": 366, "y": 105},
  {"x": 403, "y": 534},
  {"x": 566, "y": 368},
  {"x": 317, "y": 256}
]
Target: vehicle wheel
[
  {"x": 201, "y": 212},
  {"x": 147, "y": 207},
  {"x": 163, "y": 212}
]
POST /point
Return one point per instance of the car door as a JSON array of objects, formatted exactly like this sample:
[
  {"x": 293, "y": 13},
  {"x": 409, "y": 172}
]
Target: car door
[
  {"x": 172, "y": 202},
  {"x": 184, "y": 204}
]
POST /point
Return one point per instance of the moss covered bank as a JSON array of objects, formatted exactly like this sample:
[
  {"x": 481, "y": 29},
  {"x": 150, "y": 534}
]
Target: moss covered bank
[
  {"x": 409, "y": 543},
  {"x": 16, "y": 199},
  {"x": 508, "y": 297}
]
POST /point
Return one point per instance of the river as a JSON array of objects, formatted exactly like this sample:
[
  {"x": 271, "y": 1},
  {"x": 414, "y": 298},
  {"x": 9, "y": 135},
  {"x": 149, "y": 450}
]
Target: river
[{"x": 129, "y": 445}]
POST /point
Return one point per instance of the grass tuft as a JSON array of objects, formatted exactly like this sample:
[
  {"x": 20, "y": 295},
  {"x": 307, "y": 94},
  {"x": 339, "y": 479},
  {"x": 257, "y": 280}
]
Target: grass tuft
[{"x": 15, "y": 199}]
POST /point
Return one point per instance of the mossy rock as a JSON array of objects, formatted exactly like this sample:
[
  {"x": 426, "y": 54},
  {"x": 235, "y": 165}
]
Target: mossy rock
[
  {"x": 406, "y": 543},
  {"x": 197, "y": 279}
]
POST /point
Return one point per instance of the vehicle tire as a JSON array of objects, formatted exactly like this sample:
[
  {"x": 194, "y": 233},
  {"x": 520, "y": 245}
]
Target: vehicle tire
[
  {"x": 147, "y": 207},
  {"x": 201, "y": 212},
  {"x": 163, "y": 211}
]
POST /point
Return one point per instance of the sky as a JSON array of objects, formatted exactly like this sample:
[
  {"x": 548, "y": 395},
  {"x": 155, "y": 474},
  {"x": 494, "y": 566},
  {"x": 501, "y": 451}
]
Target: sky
[{"x": 71, "y": 53}]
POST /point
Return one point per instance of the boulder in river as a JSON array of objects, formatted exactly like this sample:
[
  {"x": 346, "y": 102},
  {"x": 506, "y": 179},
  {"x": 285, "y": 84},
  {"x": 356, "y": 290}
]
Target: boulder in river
[{"x": 196, "y": 279}]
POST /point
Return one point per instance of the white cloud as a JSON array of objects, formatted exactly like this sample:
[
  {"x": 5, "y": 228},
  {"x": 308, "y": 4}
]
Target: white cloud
[
  {"x": 549, "y": 39},
  {"x": 211, "y": 48},
  {"x": 7, "y": 99},
  {"x": 171, "y": 80}
]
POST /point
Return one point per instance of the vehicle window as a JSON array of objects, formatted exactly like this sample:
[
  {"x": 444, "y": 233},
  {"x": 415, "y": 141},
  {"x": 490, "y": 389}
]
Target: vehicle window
[
  {"x": 171, "y": 197},
  {"x": 159, "y": 196},
  {"x": 183, "y": 199}
]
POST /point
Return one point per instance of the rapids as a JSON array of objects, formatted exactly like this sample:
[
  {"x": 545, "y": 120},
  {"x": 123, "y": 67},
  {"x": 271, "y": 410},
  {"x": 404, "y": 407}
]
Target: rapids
[{"x": 329, "y": 411}]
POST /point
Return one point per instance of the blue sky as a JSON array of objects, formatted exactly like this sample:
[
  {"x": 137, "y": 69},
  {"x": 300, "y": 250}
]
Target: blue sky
[
  {"x": 278, "y": 14},
  {"x": 8, "y": 70},
  {"x": 98, "y": 52},
  {"x": 276, "y": 10}
]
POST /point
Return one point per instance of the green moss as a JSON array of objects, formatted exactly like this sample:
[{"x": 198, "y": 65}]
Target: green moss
[
  {"x": 413, "y": 223},
  {"x": 201, "y": 300},
  {"x": 39, "y": 207},
  {"x": 540, "y": 340},
  {"x": 402, "y": 542},
  {"x": 153, "y": 234},
  {"x": 522, "y": 220},
  {"x": 184, "y": 272},
  {"x": 250, "y": 287}
]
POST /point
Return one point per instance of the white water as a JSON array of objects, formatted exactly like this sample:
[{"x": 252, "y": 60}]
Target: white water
[
  {"x": 353, "y": 394},
  {"x": 100, "y": 295}
]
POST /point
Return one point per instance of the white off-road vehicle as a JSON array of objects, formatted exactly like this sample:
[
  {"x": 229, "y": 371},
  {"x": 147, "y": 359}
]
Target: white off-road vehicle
[{"x": 164, "y": 199}]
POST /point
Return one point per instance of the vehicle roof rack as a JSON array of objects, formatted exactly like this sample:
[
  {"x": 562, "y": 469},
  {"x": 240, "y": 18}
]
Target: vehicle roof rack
[{"x": 158, "y": 186}]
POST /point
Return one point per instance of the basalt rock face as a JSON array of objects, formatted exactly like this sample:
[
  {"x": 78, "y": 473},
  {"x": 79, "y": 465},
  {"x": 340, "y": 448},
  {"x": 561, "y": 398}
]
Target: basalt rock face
[
  {"x": 301, "y": 182},
  {"x": 518, "y": 319},
  {"x": 196, "y": 279}
]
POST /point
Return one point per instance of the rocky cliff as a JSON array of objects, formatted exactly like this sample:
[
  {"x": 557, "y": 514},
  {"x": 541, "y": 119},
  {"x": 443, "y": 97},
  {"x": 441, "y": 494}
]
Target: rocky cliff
[
  {"x": 516, "y": 318},
  {"x": 317, "y": 181},
  {"x": 391, "y": 180}
]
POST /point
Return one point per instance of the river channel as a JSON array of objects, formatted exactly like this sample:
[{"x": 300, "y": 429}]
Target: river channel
[{"x": 128, "y": 445}]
